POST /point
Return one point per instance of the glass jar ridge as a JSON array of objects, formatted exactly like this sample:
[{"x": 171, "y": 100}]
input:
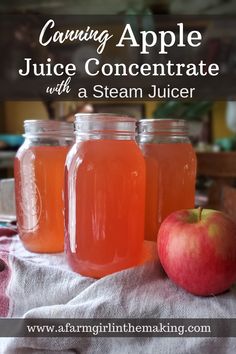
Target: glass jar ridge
[
  {"x": 162, "y": 130},
  {"x": 47, "y": 128},
  {"x": 105, "y": 126}
]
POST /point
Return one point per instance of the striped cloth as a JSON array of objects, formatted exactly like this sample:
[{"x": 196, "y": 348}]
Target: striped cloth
[{"x": 43, "y": 286}]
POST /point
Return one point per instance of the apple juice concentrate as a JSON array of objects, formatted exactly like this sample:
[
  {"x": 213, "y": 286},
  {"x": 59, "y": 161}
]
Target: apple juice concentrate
[
  {"x": 39, "y": 185},
  {"x": 170, "y": 170},
  {"x": 105, "y": 196}
]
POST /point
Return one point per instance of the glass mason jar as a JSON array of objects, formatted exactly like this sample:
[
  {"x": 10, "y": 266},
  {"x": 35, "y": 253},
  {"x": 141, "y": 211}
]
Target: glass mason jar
[
  {"x": 170, "y": 170},
  {"x": 39, "y": 184},
  {"x": 105, "y": 196}
]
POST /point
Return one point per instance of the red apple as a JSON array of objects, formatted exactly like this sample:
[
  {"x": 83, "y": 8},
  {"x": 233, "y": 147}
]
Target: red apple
[{"x": 197, "y": 249}]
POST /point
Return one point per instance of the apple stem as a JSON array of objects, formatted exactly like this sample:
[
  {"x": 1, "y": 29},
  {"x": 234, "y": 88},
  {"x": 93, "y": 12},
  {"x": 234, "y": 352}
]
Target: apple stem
[{"x": 200, "y": 209}]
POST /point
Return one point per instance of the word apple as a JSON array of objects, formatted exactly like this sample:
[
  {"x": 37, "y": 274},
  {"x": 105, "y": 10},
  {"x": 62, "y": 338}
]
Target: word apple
[{"x": 197, "y": 249}]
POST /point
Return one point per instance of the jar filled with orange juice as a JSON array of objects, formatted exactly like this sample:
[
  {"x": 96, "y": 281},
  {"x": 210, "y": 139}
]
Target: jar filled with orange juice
[
  {"x": 105, "y": 196},
  {"x": 39, "y": 184},
  {"x": 170, "y": 170}
]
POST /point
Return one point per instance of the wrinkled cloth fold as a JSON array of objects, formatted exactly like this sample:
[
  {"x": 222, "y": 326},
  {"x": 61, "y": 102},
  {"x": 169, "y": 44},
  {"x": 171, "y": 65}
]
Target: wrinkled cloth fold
[{"x": 43, "y": 286}]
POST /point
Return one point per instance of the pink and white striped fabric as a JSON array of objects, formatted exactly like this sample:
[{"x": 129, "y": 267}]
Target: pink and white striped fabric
[
  {"x": 5, "y": 274},
  {"x": 43, "y": 286}
]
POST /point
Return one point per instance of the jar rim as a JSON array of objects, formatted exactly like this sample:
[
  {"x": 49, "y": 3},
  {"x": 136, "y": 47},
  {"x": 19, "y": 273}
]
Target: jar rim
[
  {"x": 47, "y": 121},
  {"x": 105, "y": 126},
  {"x": 168, "y": 120},
  {"x": 106, "y": 116},
  {"x": 163, "y": 126},
  {"x": 47, "y": 127}
]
